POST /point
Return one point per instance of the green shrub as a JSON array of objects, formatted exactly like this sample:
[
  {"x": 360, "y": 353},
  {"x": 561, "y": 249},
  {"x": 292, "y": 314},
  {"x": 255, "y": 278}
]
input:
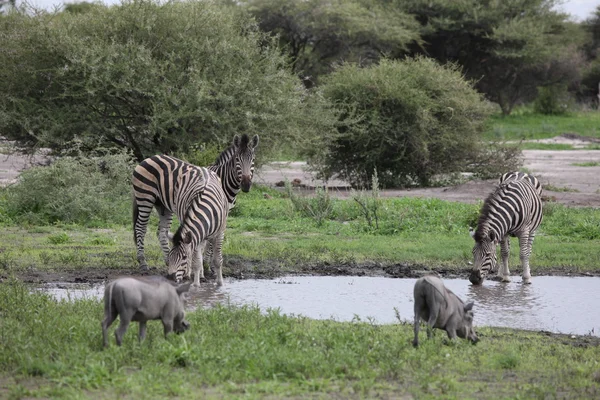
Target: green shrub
[
  {"x": 409, "y": 120},
  {"x": 553, "y": 100},
  {"x": 84, "y": 190}
]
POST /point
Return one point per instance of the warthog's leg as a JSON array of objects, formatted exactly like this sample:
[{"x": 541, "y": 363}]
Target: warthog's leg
[
  {"x": 526, "y": 243},
  {"x": 416, "y": 327},
  {"x": 142, "y": 332},
  {"x": 503, "y": 271},
  {"x": 168, "y": 326},
  {"x": 108, "y": 320},
  {"x": 166, "y": 216},
  {"x": 125, "y": 320}
]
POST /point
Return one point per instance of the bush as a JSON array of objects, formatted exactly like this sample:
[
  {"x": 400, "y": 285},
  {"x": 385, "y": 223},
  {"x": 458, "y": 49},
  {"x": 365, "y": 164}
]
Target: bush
[
  {"x": 553, "y": 100},
  {"x": 86, "y": 190},
  {"x": 152, "y": 77},
  {"x": 409, "y": 120}
]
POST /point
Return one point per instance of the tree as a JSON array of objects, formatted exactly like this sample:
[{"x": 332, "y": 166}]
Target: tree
[
  {"x": 316, "y": 34},
  {"x": 502, "y": 45},
  {"x": 152, "y": 78},
  {"x": 6, "y": 5}
]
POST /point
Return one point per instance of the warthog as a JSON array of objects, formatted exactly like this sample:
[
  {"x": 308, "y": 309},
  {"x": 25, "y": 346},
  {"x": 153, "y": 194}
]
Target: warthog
[
  {"x": 442, "y": 309},
  {"x": 142, "y": 299}
]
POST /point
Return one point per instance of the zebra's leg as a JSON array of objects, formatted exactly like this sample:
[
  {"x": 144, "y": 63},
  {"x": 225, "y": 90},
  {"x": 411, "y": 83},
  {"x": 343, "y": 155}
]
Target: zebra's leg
[
  {"x": 208, "y": 252},
  {"x": 217, "y": 257},
  {"x": 197, "y": 263},
  {"x": 166, "y": 217},
  {"x": 526, "y": 243},
  {"x": 503, "y": 271},
  {"x": 141, "y": 215}
]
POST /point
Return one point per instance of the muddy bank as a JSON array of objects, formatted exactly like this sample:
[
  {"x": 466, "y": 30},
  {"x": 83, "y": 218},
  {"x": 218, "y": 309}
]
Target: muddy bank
[{"x": 237, "y": 268}]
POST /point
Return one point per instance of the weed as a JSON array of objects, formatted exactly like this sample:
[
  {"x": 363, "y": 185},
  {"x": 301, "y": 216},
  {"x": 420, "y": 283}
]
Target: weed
[
  {"x": 587, "y": 164},
  {"x": 370, "y": 202},
  {"x": 553, "y": 188},
  {"x": 319, "y": 207},
  {"x": 59, "y": 238}
]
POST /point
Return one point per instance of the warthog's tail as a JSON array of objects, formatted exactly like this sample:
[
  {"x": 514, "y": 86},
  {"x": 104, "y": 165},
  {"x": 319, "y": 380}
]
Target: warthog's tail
[{"x": 108, "y": 302}]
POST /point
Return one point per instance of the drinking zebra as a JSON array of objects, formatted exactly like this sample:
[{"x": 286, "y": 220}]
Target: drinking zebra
[
  {"x": 196, "y": 195},
  {"x": 235, "y": 168},
  {"x": 513, "y": 209}
]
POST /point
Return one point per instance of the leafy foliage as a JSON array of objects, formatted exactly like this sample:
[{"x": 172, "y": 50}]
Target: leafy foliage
[
  {"x": 416, "y": 119},
  {"x": 318, "y": 33},
  {"x": 151, "y": 77},
  {"x": 509, "y": 47}
]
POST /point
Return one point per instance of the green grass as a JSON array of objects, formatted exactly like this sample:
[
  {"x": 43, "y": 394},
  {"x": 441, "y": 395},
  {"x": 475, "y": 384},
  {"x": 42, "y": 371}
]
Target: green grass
[
  {"x": 53, "y": 349},
  {"x": 588, "y": 164},
  {"x": 523, "y": 124},
  {"x": 429, "y": 232}
]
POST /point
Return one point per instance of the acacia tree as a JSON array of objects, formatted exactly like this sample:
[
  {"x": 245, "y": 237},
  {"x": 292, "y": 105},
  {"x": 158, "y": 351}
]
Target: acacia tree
[
  {"x": 507, "y": 47},
  {"x": 149, "y": 77},
  {"x": 318, "y": 33}
]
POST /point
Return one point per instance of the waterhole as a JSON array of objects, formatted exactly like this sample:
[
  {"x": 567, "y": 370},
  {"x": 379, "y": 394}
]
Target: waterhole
[{"x": 551, "y": 303}]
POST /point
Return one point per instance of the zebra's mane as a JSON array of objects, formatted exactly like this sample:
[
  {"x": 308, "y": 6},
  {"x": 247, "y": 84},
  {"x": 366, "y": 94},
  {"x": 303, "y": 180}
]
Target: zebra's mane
[
  {"x": 228, "y": 153},
  {"x": 486, "y": 209}
]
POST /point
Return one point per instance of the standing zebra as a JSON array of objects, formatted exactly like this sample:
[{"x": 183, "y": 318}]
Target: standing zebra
[
  {"x": 234, "y": 166},
  {"x": 196, "y": 195},
  {"x": 513, "y": 209}
]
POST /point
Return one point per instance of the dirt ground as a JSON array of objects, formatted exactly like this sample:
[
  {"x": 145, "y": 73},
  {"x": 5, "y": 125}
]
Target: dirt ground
[{"x": 563, "y": 181}]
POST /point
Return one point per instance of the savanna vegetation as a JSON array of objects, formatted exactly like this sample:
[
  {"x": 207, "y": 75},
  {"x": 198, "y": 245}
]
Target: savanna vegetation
[
  {"x": 53, "y": 350},
  {"x": 344, "y": 84}
]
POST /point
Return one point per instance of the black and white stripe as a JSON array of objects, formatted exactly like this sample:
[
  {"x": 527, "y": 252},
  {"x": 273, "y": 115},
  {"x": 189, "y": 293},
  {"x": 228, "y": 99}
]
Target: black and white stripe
[
  {"x": 196, "y": 196},
  {"x": 513, "y": 209},
  {"x": 235, "y": 166}
]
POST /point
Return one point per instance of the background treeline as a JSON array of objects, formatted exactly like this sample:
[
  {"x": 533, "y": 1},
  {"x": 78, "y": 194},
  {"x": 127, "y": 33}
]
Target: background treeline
[{"x": 398, "y": 87}]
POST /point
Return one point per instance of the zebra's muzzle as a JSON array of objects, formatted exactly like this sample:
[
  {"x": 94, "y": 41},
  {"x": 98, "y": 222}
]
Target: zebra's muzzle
[
  {"x": 246, "y": 183},
  {"x": 476, "y": 278}
]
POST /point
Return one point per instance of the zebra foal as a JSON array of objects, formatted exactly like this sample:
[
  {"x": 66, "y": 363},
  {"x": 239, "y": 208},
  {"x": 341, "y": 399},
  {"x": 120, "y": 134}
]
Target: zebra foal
[
  {"x": 513, "y": 209},
  {"x": 196, "y": 195}
]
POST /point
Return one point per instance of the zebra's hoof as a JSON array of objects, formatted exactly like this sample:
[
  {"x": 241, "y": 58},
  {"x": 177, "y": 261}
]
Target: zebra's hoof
[
  {"x": 506, "y": 279},
  {"x": 527, "y": 281}
]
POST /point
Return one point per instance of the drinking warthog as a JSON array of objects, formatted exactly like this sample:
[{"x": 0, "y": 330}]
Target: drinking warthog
[
  {"x": 142, "y": 299},
  {"x": 442, "y": 309}
]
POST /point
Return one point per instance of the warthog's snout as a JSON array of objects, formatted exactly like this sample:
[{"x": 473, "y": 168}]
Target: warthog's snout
[
  {"x": 246, "y": 183},
  {"x": 184, "y": 327}
]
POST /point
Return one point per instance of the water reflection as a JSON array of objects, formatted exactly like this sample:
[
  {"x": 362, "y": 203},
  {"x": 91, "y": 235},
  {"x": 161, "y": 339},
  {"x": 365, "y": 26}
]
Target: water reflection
[{"x": 556, "y": 304}]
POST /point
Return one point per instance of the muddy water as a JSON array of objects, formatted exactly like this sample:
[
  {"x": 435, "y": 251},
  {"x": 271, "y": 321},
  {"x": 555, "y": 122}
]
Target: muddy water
[{"x": 556, "y": 304}]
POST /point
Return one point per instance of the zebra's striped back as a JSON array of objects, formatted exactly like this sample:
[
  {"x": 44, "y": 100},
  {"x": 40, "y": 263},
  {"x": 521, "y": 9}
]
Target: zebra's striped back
[
  {"x": 513, "y": 209},
  {"x": 517, "y": 175},
  {"x": 235, "y": 166},
  {"x": 167, "y": 181}
]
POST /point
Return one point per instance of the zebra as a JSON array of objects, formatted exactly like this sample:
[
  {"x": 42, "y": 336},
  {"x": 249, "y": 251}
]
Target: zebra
[
  {"x": 513, "y": 209},
  {"x": 196, "y": 195},
  {"x": 509, "y": 176},
  {"x": 235, "y": 166}
]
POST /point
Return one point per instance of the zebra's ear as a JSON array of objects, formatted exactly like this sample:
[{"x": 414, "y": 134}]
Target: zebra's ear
[
  {"x": 255, "y": 141},
  {"x": 493, "y": 237},
  {"x": 236, "y": 141}
]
